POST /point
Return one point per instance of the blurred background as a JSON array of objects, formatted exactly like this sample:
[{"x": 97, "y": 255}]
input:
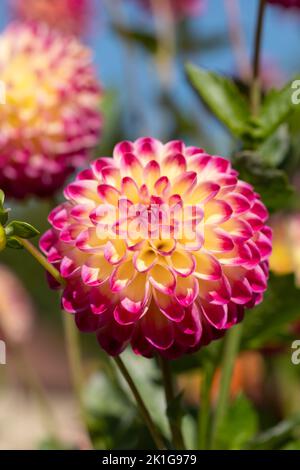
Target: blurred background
[{"x": 146, "y": 92}]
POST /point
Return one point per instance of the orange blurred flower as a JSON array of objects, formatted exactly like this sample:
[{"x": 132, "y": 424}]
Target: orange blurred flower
[{"x": 285, "y": 258}]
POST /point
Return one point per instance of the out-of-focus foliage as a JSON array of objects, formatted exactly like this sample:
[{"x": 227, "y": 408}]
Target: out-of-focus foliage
[
  {"x": 239, "y": 426},
  {"x": 270, "y": 321}
]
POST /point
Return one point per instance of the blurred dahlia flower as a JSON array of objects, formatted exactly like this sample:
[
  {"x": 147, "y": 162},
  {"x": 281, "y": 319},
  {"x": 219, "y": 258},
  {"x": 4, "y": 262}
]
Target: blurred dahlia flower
[
  {"x": 69, "y": 16},
  {"x": 50, "y": 121},
  {"x": 16, "y": 309},
  {"x": 286, "y": 3},
  {"x": 285, "y": 258},
  {"x": 247, "y": 377},
  {"x": 181, "y": 8},
  {"x": 161, "y": 247}
]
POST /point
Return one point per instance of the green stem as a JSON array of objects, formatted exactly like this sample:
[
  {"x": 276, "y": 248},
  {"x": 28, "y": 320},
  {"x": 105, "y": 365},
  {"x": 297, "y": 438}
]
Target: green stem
[
  {"x": 236, "y": 35},
  {"x": 175, "y": 423},
  {"x": 75, "y": 363},
  {"x": 141, "y": 404},
  {"x": 31, "y": 378},
  {"x": 204, "y": 408},
  {"x": 255, "y": 92},
  {"x": 232, "y": 342},
  {"x": 71, "y": 337},
  {"x": 41, "y": 259},
  {"x": 74, "y": 356},
  {"x": 166, "y": 39}
]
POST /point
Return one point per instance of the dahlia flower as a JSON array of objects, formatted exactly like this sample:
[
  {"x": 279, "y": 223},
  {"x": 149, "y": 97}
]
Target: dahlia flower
[
  {"x": 50, "y": 121},
  {"x": 69, "y": 16},
  {"x": 181, "y": 8},
  {"x": 285, "y": 258},
  {"x": 286, "y": 3},
  {"x": 161, "y": 247}
]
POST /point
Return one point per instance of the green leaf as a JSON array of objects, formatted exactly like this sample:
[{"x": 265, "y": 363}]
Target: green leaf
[
  {"x": 3, "y": 216},
  {"x": 189, "y": 44},
  {"x": 223, "y": 98},
  {"x": 142, "y": 38},
  {"x": 52, "y": 444},
  {"x": 14, "y": 244},
  {"x": 272, "y": 184},
  {"x": 293, "y": 445},
  {"x": 275, "y": 110},
  {"x": 2, "y": 198},
  {"x": 279, "y": 309},
  {"x": 3, "y": 238},
  {"x": 274, "y": 150},
  {"x": 277, "y": 436},
  {"x": 3, "y": 212},
  {"x": 21, "y": 229},
  {"x": 175, "y": 410},
  {"x": 239, "y": 426}
]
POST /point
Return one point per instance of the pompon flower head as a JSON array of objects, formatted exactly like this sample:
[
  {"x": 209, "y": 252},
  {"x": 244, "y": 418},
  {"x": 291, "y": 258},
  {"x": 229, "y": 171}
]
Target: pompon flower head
[
  {"x": 181, "y": 8},
  {"x": 161, "y": 247},
  {"x": 51, "y": 119},
  {"x": 286, "y": 3},
  {"x": 68, "y": 16}
]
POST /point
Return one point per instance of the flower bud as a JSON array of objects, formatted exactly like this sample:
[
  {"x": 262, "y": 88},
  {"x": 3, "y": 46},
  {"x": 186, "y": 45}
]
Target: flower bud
[{"x": 2, "y": 238}]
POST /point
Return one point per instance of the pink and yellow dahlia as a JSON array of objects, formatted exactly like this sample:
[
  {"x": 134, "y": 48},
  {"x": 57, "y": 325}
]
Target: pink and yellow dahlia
[
  {"x": 181, "y": 8},
  {"x": 161, "y": 247},
  {"x": 51, "y": 119},
  {"x": 69, "y": 16}
]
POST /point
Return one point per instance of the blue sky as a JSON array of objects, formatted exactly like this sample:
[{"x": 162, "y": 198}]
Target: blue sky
[
  {"x": 281, "y": 46},
  {"x": 281, "y": 42}
]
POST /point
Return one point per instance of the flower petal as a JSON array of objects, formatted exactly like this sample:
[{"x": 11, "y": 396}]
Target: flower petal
[
  {"x": 217, "y": 212},
  {"x": 144, "y": 259},
  {"x": 207, "y": 266},
  {"x": 121, "y": 276},
  {"x": 202, "y": 193},
  {"x": 216, "y": 315},
  {"x": 131, "y": 166},
  {"x": 182, "y": 262},
  {"x": 162, "y": 279},
  {"x": 158, "y": 330},
  {"x": 137, "y": 293},
  {"x": 174, "y": 165},
  {"x": 168, "y": 306},
  {"x": 187, "y": 289}
]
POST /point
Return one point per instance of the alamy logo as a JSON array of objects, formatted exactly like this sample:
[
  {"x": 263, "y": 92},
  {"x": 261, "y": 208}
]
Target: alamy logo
[
  {"x": 2, "y": 353},
  {"x": 296, "y": 352},
  {"x": 296, "y": 93}
]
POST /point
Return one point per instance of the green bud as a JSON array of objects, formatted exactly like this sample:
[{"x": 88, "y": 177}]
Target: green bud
[{"x": 2, "y": 238}]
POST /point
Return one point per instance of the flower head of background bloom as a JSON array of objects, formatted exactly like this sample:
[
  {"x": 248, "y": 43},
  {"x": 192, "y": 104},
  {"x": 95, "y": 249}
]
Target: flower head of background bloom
[
  {"x": 286, "y": 3},
  {"x": 132, "y": 276},
  {"x": 285, "y": 258},
  {"x": 69, "y": 16},
  {"x": 180, "y": 8},
  {"x": 50, "y": 121},
  {"x": 16, "y": 309}
]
